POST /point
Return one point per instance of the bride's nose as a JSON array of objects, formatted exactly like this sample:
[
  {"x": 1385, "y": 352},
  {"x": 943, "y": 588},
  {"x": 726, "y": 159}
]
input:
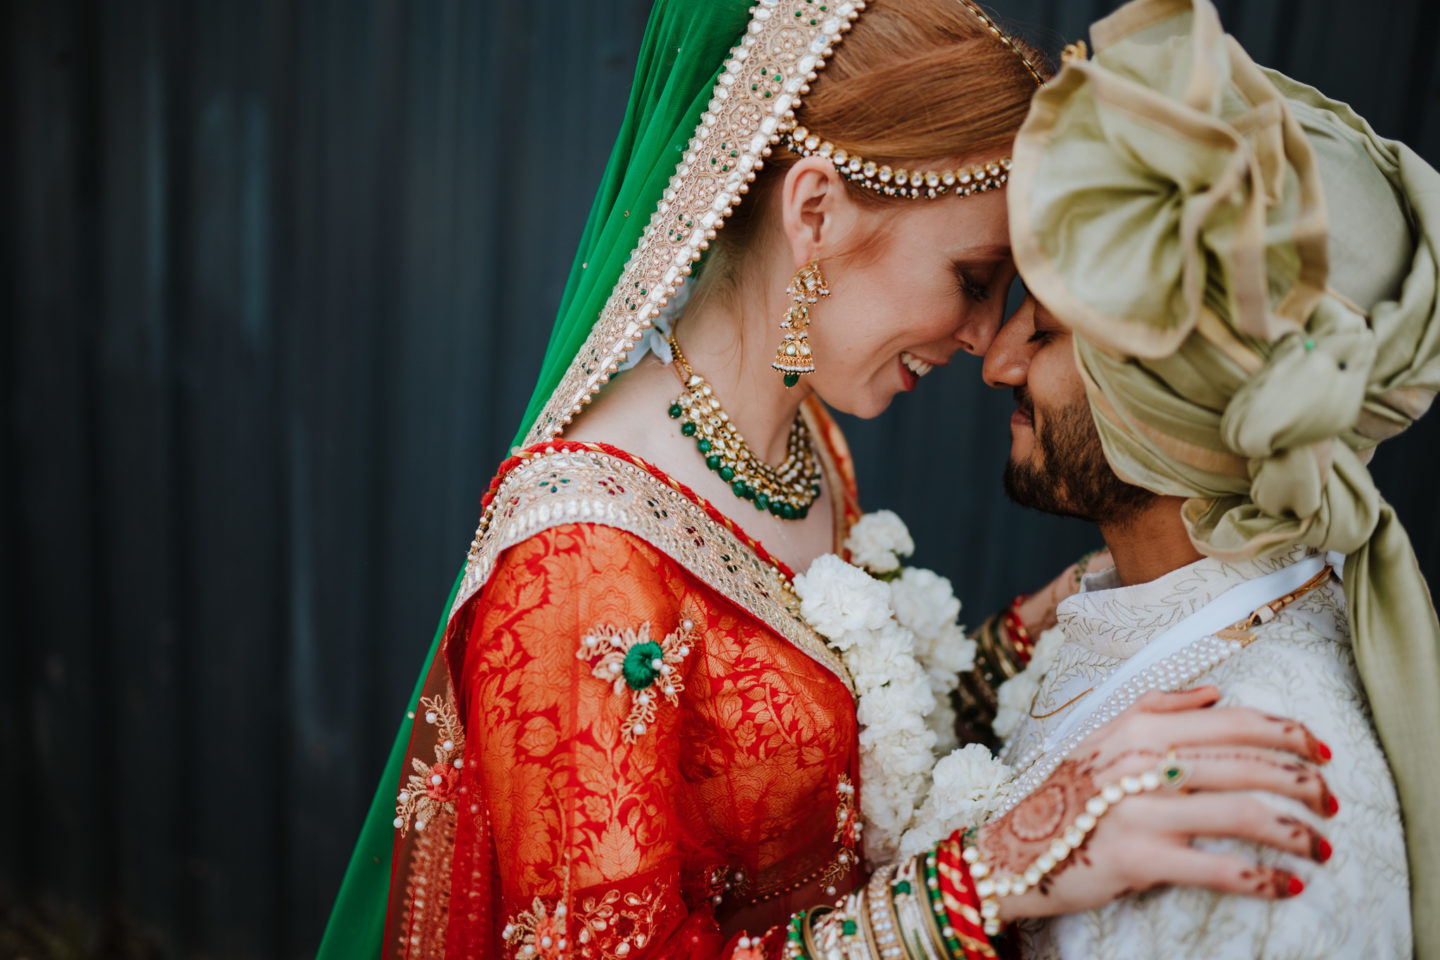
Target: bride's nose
[{"x": 978, "y": 331}]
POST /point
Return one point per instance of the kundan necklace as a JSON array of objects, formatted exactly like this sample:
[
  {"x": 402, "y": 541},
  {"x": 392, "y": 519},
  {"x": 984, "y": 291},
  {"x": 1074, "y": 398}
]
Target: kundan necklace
[{"x": 787, "y": 491}]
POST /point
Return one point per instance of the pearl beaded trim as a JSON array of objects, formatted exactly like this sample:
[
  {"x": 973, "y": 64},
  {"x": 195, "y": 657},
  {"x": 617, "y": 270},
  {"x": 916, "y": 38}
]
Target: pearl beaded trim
[{"x": 1175, "y": 672}]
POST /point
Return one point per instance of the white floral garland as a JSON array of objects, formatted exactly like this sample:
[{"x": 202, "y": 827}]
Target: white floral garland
[{"x": 896, "y": 631}]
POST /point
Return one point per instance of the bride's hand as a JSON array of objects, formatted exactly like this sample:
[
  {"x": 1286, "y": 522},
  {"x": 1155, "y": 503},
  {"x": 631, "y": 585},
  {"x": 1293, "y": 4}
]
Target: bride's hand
[
  {"x": 1143, "y": 841},
  {"x": 1037, "y": 611}
]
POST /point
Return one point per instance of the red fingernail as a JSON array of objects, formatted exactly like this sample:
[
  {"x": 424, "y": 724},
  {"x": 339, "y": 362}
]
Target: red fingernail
[
  {"x": 1322, "y": 751},
  {"x": 1323, "y": 850},
  {"x": 1294, "y": 887},
  {"x": 1332, "y": 805}
]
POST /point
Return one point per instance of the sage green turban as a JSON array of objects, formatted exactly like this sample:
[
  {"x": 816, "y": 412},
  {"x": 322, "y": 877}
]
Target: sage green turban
[{"x": 1251, "y": 274}]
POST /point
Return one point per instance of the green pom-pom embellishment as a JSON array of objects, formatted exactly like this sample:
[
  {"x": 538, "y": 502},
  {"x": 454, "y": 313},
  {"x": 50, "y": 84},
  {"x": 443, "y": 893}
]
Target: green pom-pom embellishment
[
  {"x": 791, "y": 379},
  {"x": 640, "y": 670}
]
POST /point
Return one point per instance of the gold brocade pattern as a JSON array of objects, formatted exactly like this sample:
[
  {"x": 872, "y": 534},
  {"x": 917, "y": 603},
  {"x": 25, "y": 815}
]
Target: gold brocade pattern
[
  {"x": 758, "y": 88},
  {"x": 570, "y": 486}
]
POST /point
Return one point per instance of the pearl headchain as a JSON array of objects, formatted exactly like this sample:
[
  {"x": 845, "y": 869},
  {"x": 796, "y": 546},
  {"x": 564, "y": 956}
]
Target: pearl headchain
[
  {"x": 899, "y": 182},
  {"x": 913, "y": 184}
]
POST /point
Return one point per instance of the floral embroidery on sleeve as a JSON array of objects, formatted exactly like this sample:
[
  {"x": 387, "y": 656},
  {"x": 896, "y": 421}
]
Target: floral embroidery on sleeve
[
  {"x": 609, "y": 925},
  {"x": 847, "y": 833},
  {"x": 636, "y": 666},
  {"x": 432, "y": 786}
]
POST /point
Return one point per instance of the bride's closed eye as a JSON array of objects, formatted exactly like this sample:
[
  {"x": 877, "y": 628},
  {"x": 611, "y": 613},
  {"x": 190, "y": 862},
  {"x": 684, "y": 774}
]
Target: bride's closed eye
[{"x": 971, "y": 285}]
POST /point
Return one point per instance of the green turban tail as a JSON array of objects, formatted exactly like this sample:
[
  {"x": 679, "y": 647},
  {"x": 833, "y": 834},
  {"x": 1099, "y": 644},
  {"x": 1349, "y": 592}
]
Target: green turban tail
[{"x": 1252, "y": 279}]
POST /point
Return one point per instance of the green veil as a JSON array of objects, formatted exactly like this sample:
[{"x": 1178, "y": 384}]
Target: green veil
[{"x": 714, "y": 81}]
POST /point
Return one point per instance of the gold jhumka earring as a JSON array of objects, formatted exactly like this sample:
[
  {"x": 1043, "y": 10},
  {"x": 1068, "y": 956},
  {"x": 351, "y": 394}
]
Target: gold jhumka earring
[{"x": 793, "y": 357}]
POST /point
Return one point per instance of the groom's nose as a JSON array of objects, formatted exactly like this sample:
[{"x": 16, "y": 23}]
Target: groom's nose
[{"x": 1007, "y": 361}]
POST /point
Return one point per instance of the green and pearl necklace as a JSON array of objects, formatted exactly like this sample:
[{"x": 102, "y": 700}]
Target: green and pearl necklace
[{"x": 787, "y": 490}]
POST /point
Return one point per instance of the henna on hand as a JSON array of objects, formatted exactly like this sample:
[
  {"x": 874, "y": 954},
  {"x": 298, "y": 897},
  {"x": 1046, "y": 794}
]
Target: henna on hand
[
  {"x": 1275, "y": 884},
  {"x": 1320, "y": 849},
  {"x": 1013, "y": 842},
  {"x": 1315, "y": 748}
]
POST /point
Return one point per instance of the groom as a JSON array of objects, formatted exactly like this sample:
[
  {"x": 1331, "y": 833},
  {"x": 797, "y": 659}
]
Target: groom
[{"x": 1162, "y": 592}]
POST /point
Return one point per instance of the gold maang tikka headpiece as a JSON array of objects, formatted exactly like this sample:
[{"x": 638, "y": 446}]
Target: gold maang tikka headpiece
[{"x": 912, "y": 184}]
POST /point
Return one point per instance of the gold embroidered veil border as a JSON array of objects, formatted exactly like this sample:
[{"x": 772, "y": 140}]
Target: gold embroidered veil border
[{"x": 780, "y": 51}]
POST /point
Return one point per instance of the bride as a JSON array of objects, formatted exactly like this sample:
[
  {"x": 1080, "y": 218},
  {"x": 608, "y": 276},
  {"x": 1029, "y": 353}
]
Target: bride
[{"x": 629, "y": 742}]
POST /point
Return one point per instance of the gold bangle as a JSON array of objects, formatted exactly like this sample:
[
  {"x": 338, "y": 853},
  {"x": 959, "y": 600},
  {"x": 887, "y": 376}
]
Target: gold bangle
[
  {"x": 807, "y": 931},
  {"x": 880, "y": 915}
]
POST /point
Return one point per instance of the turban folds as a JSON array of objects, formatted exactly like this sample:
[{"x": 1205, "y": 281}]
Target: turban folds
[{"x": 1253, "y": 281}]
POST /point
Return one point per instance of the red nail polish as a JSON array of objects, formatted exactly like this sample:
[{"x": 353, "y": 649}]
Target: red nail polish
[
  {"x": 1294, "y": 887},
  {"x": 1323, "y": 850},
  {"x": 1322, "y": 751},
  {"x": 1332, "y": 805}
]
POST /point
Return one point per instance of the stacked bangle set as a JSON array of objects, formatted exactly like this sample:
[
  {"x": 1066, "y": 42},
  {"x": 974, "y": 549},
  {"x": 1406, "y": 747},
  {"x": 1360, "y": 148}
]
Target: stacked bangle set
[{"x": 910, "y": 912}]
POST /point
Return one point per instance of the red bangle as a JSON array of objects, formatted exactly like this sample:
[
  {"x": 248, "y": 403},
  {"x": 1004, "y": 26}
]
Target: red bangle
[
  {"x": 1019, "y": 637},
  {"x": 962, "y": 903}
]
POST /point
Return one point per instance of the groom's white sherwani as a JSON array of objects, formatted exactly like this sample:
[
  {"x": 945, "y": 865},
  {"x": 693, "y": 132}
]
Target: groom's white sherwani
[{"x": 1300, "y": 666}]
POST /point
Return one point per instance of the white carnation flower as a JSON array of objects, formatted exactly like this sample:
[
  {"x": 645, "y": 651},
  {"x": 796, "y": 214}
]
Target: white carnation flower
[
  {"x": 882, "y": 656},
  {"x": 925, "y": 602},
  {"x": 941, "y": 722},
  {"x": 878, "y": 541},
  {"x": 952, "y": 653},
  {"x": 836, "y": 598},
  {"x": 968, "y": 784},
  {"x": 893, "y": 709},
  {"x": 1014, "y": 698}
]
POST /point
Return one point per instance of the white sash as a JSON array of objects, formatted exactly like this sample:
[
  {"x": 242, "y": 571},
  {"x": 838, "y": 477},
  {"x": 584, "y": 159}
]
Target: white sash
[{"x": 1229, "y": 607}]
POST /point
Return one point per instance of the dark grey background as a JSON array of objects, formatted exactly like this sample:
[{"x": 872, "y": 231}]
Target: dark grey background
[{"x": 277, "y": 281}]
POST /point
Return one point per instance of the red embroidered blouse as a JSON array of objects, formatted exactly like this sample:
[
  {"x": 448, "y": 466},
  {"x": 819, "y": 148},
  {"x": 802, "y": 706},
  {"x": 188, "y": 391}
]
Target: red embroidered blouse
[{"x": 643, "y": 752}]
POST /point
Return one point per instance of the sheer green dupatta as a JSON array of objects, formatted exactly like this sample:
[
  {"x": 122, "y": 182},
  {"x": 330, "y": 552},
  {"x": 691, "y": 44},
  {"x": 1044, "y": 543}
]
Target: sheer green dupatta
[
  {"x": 714, "y": 81},
  {"x": 1253, "y": 279}
]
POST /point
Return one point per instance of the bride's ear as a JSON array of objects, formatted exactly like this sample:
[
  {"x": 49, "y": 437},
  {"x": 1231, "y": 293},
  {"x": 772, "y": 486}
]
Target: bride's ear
[{"x": 817, "y": 212}]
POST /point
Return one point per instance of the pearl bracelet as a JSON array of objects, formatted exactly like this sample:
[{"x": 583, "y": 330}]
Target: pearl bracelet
[{"x": 990, "y": 889}]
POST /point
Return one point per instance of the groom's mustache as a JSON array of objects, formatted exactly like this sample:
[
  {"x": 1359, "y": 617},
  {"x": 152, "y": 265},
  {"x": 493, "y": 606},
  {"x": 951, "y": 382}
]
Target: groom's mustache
[{"x": 1023, "y": 401}]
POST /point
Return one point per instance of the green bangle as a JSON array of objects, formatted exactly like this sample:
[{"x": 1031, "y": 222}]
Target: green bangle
[
  {"x": 795, "y": 938},
  {"x": 937, "y": 908}
]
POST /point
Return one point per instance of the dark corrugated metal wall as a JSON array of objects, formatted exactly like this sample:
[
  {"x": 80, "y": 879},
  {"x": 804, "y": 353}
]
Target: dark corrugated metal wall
[{"x": 277, "y": 278}]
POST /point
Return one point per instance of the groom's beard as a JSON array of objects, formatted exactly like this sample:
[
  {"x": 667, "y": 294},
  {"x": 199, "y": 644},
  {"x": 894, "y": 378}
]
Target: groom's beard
[{"x": 1068, "y": 474}]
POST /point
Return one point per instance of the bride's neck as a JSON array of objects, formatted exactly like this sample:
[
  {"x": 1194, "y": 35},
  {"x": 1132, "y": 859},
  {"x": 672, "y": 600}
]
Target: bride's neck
[{"x": 730, "y": 340}]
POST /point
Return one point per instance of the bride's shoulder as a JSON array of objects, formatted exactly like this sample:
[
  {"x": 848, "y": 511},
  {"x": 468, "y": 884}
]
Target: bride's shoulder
[{"x": 623, "y": 414}]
